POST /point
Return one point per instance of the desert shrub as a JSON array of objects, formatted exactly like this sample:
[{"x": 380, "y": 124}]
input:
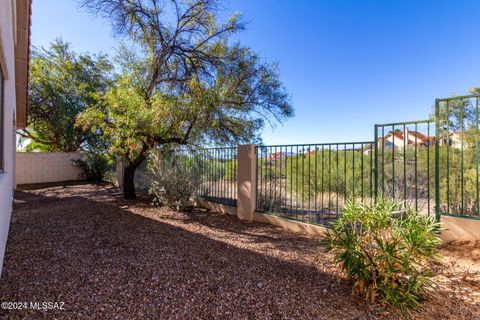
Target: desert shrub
[
  {"x": 309, "y": 175},
  {"x": 271, "y": 197},
  {"x": 93, "y": 166},
  {"x": 231, "y": 168},
  {"x": 385, "y": 252},
  {"x": 175, "y": 182}
]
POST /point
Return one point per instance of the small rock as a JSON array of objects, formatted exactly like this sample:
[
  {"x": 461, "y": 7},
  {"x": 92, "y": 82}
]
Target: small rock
[
  {"x": 259, "y": 285},
  {"x": 36, "y": 283}
]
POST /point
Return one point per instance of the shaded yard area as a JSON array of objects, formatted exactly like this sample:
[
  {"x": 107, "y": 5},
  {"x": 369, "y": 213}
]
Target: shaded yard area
[{"x": 108, "y": 258}]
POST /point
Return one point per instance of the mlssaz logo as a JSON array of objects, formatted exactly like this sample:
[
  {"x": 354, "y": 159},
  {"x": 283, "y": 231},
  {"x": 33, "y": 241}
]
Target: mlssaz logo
[{"x": 47, "y": 305}]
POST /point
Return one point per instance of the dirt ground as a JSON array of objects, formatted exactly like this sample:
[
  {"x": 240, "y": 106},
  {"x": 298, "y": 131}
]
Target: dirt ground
[{"x": 107, "y": 258}]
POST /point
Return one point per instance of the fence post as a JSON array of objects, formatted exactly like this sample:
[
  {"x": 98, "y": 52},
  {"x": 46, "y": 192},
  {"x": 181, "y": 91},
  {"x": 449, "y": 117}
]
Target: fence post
[
  {"x": 246, "y": 181},
  {"x": 119, "y": 167},
  {"x": 437, "y": 160},
  {"x": 375, "y": 162}
]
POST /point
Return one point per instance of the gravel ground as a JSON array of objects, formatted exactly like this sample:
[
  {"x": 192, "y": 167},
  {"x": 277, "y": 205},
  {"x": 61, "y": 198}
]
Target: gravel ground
[{"x": 107, "y": 258}]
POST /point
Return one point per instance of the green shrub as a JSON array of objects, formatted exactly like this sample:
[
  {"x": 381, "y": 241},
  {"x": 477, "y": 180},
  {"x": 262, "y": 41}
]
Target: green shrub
[
  {"x": 93, "y": 166},
  {"x": 271, "y": 196},
  {"x": 175, "y": 182},
  {"x": 385, "y": 252}
]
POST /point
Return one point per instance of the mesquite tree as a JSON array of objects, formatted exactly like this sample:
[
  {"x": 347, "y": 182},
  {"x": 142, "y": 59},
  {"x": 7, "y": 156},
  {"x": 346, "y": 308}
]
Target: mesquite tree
[
  {"x": 181, "y": 81},
  {"x": 62, "y": 84}
]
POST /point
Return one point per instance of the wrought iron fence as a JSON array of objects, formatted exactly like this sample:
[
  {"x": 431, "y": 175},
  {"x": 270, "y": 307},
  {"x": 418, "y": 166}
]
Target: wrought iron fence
[
  {"x": 312, "y": 182},
  {"x": 143, "y": 176},
  {"x": 217, "y": 168},
  {"x": 429, "y": 165},
  {"x": 405, "y": 163},
  {"x": 219, "y": 174},
  {"x": 457, "y": 156}
]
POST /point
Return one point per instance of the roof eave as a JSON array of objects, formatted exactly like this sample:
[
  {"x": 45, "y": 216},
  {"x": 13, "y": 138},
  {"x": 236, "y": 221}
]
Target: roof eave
[{"x": 22, "y": 60}]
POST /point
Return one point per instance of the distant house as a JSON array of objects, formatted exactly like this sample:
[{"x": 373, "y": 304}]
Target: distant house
[
  {"x": 312, "y": 153},
  {"x": 275, "y": 156},
  {"x": 393, "y": 140},
  {"x": 399, "y": 139},
  {"x": 415, "y": 137},
  {"x": 456, "y": 140},
  {"x": 368, "y": 149}
]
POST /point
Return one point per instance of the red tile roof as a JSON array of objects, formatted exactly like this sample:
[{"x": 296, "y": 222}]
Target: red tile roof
[{"x": 418, "y": 134}]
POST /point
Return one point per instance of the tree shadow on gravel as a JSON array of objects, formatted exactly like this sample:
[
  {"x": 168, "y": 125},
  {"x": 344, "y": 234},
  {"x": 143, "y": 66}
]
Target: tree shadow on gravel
[
  {"x": 257, "y": 232},
  {"x": 80, "y": 245},
  {"x": 103, "y": 261}
]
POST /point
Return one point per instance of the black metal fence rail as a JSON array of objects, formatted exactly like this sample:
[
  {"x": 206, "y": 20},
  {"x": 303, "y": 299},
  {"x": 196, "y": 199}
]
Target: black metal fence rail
[
  {"x": 219, "y": 174},
  {"x": 143, "y": 177},
  {"x": 312, "y": 182},
  {"x": 216, "y": 168},
  {"x": 431, "y": 166}
]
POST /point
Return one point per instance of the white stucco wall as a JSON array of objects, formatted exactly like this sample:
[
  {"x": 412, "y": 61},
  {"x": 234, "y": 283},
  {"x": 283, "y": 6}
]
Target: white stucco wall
[
  {"x": 41, "y": 167},
  {"x": 7, "y": 61}
]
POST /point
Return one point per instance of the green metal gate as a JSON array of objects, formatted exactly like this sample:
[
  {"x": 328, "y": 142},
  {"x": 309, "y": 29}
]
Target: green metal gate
[
  {"x": 432, "y": 165},
  {"x": 457, "y": 156},
  {"x": 405, "y": 162}
]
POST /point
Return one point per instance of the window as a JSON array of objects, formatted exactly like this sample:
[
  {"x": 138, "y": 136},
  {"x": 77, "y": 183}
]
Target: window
[{"x": 2, "y": 122}]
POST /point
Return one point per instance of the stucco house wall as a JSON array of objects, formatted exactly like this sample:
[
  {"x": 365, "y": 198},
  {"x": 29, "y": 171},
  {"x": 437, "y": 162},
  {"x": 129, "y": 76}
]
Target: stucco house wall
[
  {"x": 7, "y": 59},
  {"x": 14, "y": 64}
]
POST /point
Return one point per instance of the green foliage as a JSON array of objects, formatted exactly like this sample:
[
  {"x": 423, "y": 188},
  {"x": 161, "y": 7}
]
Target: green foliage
[
  {"x": 458, "y": 134},
  {"x": 386, "y": 253},
  {"x": 182, "y": 82},
  {"x": 455, "y": 193},
  {"x": 214, "y": 112},
  {"x": 339, "y": 171},
  {"x": 62, "y": 84},
  {"x": 231, "y": 168},
  {"x": 404, "y": 174},
  {"x": 220, "y": 169},
  {"x": 306, "y": 177},
  {"x": 271, "y": 196},
  {"x": 93, "y": 166},
  {"x": 176, "y": 180},
  {"x": 451, "y": 185}
]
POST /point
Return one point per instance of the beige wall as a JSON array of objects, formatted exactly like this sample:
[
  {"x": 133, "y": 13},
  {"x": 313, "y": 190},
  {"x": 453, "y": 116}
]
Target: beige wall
[
  {"x": 217, "y": 207},
  {"x": 246, "y": 181},
  {"x": 7, "y": 63},
  {"x": 41, "y": 167},
  {"x": 290, "y": 225},
  {"x": 457, "y": 228}
]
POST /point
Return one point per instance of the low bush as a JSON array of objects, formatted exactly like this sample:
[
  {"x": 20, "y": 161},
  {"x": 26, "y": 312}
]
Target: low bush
[
  {"x": 271, "y": 197},
  {"x": 385, "y": 252},
  {"x": 175, "y": 182},
  {"x": 93, "y": 166}
]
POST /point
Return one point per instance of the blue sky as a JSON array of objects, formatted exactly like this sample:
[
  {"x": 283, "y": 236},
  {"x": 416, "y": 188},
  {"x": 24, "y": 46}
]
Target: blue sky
[{"x": 347, "y": 64}]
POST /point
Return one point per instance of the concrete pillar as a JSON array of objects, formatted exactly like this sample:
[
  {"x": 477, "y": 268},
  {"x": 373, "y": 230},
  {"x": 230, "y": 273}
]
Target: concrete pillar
[
  {"x": 119, "y": 167},
  {"x": 246, "y": 182}
]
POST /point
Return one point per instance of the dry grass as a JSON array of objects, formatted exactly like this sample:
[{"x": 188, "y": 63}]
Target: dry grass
[{"x": 108, "y": 258}]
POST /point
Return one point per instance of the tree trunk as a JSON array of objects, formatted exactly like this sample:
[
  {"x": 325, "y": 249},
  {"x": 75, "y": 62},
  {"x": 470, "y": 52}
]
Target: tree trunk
[
  {"x": 129, "y": 173},
  {"x": 128, "y": 185}
]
